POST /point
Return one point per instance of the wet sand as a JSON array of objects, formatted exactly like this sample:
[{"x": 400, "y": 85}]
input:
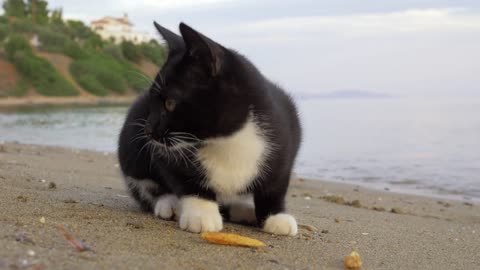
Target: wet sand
[
  {"x": 12, "y": 103},
  {"x": 83, "y": 191}
]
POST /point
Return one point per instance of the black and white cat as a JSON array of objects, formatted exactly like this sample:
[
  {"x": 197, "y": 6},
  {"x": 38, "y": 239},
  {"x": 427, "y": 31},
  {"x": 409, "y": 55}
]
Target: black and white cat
[{"x": 211, "y": 136}]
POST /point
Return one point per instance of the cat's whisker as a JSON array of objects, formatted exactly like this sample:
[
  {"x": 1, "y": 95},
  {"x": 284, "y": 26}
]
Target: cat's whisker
[
  {"x": 138, "y": 137},
  {"x": 140, "y": 119},
  {"x": 162, "y": 78},
  {"x": 178, "y": 142},
  {"x": 137, "y": 125},
  {"x": 181, "y": 143},
  {"x": 185, "y": 147},
  {"x": 184, "y": 133},
  {"x": 147, "y": 79},
  {"x": 187, "y": 138},
  {"x": 152, "y": 154},
  {"x": 140, "y": 133},
  {"x": 141, "y": 150}
]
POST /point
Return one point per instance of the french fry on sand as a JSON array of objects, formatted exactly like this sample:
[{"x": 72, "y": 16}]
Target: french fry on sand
[{"x": 231, "y": 239}]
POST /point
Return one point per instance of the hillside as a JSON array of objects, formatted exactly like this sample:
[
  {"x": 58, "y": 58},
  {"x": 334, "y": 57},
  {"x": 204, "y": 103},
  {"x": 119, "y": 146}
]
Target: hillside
[
  {"x": 66, "y": 59},
  {"x": 8, "y": 78}
]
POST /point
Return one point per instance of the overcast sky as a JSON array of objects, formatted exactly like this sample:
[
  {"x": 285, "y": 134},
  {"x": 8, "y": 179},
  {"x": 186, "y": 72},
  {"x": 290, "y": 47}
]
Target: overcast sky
[{"x": 396, "y": 47}]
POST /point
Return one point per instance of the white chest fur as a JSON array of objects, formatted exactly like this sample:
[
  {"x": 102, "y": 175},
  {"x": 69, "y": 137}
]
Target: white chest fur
[{"x": 232, "y": 163}]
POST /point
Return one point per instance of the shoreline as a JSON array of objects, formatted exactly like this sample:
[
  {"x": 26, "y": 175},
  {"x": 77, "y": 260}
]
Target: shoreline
[
  {"x": 83, "y": 191},
  {"x": 38, "y": 101},
  {"x": 381, "y": 187}
]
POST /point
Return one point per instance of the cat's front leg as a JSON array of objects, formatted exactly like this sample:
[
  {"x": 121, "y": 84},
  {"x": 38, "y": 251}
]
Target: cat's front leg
[
  {"x": 199, "y": 214},
  {"x": 270, "y": 212}
]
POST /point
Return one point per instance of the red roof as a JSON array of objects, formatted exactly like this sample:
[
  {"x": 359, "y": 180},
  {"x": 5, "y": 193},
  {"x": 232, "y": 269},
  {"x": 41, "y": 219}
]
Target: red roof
[{"x": 105, "y": 20}]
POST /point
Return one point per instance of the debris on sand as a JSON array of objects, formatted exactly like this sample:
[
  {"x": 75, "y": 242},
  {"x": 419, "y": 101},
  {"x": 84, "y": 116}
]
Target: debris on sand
[
  {"x": 378, "y": 208},
  {"x": 24, "y": 238},
  {"x": 340, "y": 200},
  {"x": 22, "y": 198},
  {"x": 26, "y": 263},
  {"x": 353, "y": 261},
  {"x": 52, "y": 185},
  {"x": 444, "y": 204},
  {"x": 69, "y": 201},
  {"x": 307, "y": 227},
  {"x": 306, "y": 236},
  {"x": 79, "y": 246},
  {"x": 334, "y": 199},
  {"x": 231, "y": 239},
  {"x": 42, "y": 220},
  {"x": 355, "y": 203},
  {"x": 397, "y": 210},
  {"x": 134, "y": 224}
]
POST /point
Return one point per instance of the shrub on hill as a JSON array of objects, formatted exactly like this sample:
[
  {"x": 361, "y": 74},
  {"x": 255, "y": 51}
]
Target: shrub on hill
[
  {"x": 154, "y": 52},
  {"x": 91, "y": 84},
  {"x": 138, "y": 81},
  {"x": 4, "y": 31},
  {"x": 52, "y": 41},
  {"x": 103, "y": 69},
  {"x": 131, "y": 51},
  {"x": 16, "y": 43},
  {"x": 78, "y": 30},
  {"x": 115, "y": 51},
  {"x": 74, "y": 50},
  {"x": 94, "y": 41},
  {"x": 42, "y": 75},
  {"x": 22, "y": 26},
  {"x": 20, "y": 89}
]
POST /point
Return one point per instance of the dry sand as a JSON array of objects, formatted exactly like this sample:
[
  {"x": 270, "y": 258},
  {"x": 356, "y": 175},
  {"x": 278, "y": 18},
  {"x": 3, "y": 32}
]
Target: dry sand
[{"x": 89, "y": 199}]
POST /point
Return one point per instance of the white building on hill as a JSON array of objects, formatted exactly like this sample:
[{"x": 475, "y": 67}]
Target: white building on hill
[{"x": 118, "y": 30}]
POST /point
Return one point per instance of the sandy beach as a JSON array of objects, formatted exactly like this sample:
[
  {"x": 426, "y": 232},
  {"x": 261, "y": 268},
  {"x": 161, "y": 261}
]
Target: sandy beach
[{"x": 44, "y": 187}]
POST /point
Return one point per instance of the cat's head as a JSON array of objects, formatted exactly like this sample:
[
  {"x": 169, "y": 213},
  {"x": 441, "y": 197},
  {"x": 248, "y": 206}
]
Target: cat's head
[{"x": 199, "y": 92}]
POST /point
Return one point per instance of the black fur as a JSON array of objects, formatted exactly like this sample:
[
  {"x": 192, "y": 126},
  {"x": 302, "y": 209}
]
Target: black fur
[{"x": 215, "y": 90}]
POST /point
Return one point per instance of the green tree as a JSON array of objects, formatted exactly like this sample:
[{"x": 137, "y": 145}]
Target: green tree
[
  {"x": 131, "y": 52},
  {"x": 57, "y": 16},
  {"x": 14, "y": 8},
  {"x": 94, "y": 41},
  {"x": 4, "y": 31},
  {"x": 37, "y": 10},
  {"x": 154, "y": 52},
  {"x": 16, "y": 43},
  {"x": 78, "y": 29}
]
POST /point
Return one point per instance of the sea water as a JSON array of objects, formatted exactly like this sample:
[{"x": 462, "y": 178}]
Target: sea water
[{"x": 409, "y": 145}]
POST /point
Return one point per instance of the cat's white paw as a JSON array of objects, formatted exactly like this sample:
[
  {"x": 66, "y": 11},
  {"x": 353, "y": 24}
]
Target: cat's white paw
[
  {"x": 242, "y": 212},
  {"x": 282, "y": 224},
  {"x": 199, "y": 215},
  {"x": 166, "y": 205}
]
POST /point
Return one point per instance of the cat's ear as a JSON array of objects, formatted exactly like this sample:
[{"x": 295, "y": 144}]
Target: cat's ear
[
  {"x": 174, "y": 42},
  {"x": 198, "y": 45}
]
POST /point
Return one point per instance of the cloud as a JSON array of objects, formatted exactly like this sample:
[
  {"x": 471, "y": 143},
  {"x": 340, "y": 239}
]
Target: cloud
[
  {"x": 360, "y": 25},
  {"x": 168, "y": 5}
]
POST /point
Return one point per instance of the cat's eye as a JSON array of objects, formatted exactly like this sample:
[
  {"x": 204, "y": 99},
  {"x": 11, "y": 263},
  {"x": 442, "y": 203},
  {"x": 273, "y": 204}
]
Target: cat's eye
[{"x": 170, "y": 104}]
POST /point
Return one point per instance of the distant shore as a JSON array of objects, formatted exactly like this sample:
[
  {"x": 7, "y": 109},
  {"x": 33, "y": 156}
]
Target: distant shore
[
  {"x": 43, "y": 187},
  {"x": 15, "y": 102}
]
